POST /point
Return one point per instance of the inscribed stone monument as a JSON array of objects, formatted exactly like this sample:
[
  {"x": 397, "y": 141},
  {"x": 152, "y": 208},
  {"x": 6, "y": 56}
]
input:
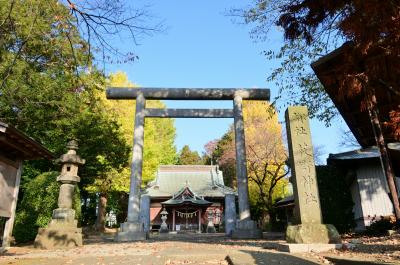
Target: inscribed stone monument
[{"x": 307, "y": 212}]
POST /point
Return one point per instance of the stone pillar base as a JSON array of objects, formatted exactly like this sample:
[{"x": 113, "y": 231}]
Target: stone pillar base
[
  {"x": 246, "y": 230},
  {"x": 131, "y": 231},
  {"x": 62, "y": 232},
  {"x": 312, "y": 233},
  {"x": 59, "y": 234}
]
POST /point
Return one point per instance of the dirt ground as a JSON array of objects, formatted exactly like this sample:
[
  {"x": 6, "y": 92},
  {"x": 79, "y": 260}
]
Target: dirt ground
[{"x": 203, "y": 249}]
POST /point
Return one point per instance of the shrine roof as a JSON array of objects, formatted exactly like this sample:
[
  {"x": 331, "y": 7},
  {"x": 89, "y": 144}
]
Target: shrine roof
[
  {"x": 371, "y": 152},
  {"x": 365, "y": 154},
  {"x": 14, "y": 144},
  {"x": 186, "y": 197},
  {"x": 203, "y": 180},
  {"x": 285, "y": 202}
]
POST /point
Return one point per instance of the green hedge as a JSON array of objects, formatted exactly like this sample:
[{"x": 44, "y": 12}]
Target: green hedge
[
  {"x": 37, "y": 205},
  {"x": 335, "y": 196}
]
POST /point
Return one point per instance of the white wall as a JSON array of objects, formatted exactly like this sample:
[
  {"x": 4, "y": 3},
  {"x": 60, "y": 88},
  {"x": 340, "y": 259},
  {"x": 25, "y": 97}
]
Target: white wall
[{"x": 373, "y": 199}]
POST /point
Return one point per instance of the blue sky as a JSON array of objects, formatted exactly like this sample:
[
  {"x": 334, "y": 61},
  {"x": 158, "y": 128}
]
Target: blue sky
[{"x": 201, "y": 47}]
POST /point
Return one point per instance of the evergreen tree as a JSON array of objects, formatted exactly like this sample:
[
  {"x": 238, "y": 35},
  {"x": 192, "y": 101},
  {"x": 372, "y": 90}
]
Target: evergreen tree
[
  {"x": 189, "y": 157},
  {"x": 49, "y": 92}
]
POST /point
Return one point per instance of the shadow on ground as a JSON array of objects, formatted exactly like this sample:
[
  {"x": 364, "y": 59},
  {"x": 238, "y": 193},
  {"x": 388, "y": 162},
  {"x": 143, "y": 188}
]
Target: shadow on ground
[
  {"x": 267, "y": 258},
  {"x": 343, "y": 261}
]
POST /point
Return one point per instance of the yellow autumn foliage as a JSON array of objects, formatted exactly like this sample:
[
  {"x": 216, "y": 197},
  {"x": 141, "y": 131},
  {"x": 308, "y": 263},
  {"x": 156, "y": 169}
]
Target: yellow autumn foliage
[
  {"x": 266, "y": 154},
  {"x": 159, "y": 136}
]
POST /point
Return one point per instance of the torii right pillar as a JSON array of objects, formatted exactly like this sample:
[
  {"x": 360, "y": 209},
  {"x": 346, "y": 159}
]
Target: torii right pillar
[{"x": 308, "y": 226}]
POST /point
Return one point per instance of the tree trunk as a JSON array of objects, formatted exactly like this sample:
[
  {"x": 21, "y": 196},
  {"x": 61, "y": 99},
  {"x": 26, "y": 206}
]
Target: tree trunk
[
  {"x": 385, "y": 159},
  {"x": 101, "y": 212}
]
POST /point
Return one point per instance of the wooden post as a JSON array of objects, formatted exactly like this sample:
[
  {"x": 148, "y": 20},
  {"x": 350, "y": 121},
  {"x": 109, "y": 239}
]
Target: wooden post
[
  {"x": 384, "y": 157},
  {"x": 10, "y": 222}
]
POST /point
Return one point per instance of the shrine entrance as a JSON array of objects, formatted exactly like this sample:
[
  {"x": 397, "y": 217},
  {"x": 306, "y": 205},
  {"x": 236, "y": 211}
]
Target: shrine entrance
[
  {"x": 133, "y": 229},
  {"x": 186, "y": 208}
]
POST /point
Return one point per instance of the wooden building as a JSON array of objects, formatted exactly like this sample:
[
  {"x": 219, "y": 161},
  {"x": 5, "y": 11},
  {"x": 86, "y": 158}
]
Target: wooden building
[
  {"x": 368, "y": 186},
  {"x": 333, "y": 68},
  {"x": 363, "y": 169},
  {"x": 191, "y": 194},
  {"x": 15, "y": 147}
]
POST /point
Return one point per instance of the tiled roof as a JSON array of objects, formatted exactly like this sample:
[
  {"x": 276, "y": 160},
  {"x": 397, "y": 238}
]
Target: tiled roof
[
  {"x": 206, "y": 181},
  {"x": 370, "y": 152}
]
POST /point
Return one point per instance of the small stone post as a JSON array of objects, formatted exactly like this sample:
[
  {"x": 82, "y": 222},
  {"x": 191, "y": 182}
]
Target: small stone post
[
  {"x": 245, "y": 227},
  {"x": 230, "y": 213},
  {"x": 145, "y": 212},
  {"x": 308, "y": 217},
  {"x": 62, "y": 232}
]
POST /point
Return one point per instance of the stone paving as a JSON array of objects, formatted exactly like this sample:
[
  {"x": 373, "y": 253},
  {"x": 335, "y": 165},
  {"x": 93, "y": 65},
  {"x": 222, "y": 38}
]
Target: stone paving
[{"x": 170, "y": 249}]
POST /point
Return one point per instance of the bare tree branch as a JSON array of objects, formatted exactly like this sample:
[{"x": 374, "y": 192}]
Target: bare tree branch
[{"x": 98, "y": 19}]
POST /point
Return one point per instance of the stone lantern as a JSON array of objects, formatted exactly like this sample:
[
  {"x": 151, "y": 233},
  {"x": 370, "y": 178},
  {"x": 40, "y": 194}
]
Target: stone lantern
[
  {"x": 164, "y": 226},
  {"x": 210, "y": 225},
  {"x": 62, "y": 232}
]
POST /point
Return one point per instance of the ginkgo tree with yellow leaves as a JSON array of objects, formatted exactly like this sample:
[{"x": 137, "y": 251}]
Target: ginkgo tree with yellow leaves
[
  {"x": 266, "y": 157},
  {"x": 159, "y": 145}
]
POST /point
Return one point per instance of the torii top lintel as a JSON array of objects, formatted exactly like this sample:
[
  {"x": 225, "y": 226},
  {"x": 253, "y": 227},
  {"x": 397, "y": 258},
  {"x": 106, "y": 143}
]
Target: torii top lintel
[{"x": 189, "y": 94}]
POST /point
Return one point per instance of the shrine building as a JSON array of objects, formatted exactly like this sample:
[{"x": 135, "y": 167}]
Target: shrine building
[{"x": 192, "y": 195}]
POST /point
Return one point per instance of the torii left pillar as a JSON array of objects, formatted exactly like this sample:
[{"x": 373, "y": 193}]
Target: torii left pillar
[{"x": 133, "y": 229}]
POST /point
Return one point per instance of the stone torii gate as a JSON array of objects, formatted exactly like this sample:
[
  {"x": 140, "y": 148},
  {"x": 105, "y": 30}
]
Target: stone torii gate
[{"x": 133, "y": 229}]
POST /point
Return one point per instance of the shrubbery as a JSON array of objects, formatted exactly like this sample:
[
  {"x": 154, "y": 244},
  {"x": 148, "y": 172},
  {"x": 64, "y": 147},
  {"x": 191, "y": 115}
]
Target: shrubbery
[
  {"x": 37, "y": 205},
  {"x": 381, "y": 226},
  {"x": 335, "y": 197}
]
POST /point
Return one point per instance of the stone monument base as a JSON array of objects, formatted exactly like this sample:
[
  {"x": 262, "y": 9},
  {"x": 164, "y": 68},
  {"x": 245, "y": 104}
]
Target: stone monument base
[
  {"x": 246, "y": 230},
  {"x": 312, "y": 233},
  {"x": 131, "y": 231},
  {"x": 62, "y": 232}
]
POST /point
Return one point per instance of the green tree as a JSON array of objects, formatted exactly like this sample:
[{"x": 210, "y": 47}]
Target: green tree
[
  {"x": 36, "y": 208},
  {"x": 159, "y": 136},
  {"x": 296, "y": 82},
  {"x": 159, "y": 148},
  {"x": 335, "y": 197},
  {"x": 48, "y": 91},
  {"x": 189, "y": 157}
]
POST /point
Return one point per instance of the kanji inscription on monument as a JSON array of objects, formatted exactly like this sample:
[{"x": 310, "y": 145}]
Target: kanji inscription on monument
[
  {"x": 309, "y": 227},
  {"x": 304, "y": 181}
]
